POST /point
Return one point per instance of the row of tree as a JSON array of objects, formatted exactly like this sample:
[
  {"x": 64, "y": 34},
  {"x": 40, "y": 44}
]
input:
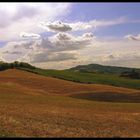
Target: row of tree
[
  {"x": 16, "y": 64},
  {"x": 131, "y": 74}
]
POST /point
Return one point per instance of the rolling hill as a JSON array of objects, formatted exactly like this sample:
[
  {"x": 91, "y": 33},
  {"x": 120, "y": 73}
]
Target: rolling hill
[
  {"x": 113, "y": 78},
  {"x": 33, "y": 105},
  {"x": 88, "y": 78},
  {"x": 55, "y": 86}
]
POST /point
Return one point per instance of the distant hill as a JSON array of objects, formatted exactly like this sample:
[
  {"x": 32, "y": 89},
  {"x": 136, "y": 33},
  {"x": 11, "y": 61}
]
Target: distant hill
[
  {"x": 96, "y": 68},
  {"x": 91, "y": 68}
]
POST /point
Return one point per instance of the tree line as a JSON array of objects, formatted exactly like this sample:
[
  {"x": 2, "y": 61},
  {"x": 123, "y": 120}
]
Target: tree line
[
  {"x": 131, "y": 74},
  {"x": 16, "y": 64}
]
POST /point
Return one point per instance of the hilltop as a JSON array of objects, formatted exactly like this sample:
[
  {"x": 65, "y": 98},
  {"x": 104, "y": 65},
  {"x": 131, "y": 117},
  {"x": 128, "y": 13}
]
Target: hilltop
[{"x": 96, "y": 68}]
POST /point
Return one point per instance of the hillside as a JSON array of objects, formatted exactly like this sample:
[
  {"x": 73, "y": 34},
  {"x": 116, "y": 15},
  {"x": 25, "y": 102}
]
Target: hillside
[
  {"x": 32, "y": 105},
  {"x": 103, "y": 69},
  {"x": 88, "y": 78},
  {"x": 128, "y": 80},
  {"x": 63, "y": 87}
]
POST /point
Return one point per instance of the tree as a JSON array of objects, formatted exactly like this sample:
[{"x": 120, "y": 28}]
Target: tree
[
  {"x": 131, "y": 74},
  {"x": 134, "y": 74}
]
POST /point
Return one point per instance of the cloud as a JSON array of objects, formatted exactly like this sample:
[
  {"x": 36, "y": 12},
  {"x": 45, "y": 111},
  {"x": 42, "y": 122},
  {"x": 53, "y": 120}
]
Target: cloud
[
  {"x": 16, "y": 17},
  {"x": 93, "y": 24},
  {"x": 65, "y": 41},
  {"x": 129, "y": 59},
  {"x": 89, "y": 35},
  {"x": 111, "y": 56},
  {"x": 63, "y": 36},
  {"x": 64, "y": 50},
  {"x": 14, "y": 52},
  {"x": 25, "y": 11},
  {"x": 29, "y": 35},
  {"x": 56, "y": 26},
  {"x": 133, "y": 37},
  {"x": 113, "y": 52},
  {"x": 59, "y": 47},
  {"x": 2, "y": 59},
  {"x": 44, "y": 57}
]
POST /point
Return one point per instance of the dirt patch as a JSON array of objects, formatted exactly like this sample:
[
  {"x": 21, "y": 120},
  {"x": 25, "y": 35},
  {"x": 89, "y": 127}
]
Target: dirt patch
[{"x": 109, "y": 97}]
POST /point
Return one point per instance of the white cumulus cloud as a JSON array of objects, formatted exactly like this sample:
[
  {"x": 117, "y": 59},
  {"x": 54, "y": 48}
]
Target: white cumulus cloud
[
  {"x": 16, "y": 17},
  {"x": 133, "y": 37},
  {"x": 56, "y": 26},
  {"x": 29, "y": 35}
]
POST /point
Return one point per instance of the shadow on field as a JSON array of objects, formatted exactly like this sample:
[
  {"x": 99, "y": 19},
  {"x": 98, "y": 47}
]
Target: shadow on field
[{"x": 109, "y": 97}]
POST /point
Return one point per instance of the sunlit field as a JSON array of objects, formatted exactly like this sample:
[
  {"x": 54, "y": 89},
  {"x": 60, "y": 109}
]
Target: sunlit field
[{"x": 33, "y": 106}]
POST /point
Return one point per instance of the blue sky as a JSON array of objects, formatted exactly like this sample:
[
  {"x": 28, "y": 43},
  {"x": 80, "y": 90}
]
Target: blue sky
[
  {"x": 50, "y": 34},
  {"x": 107, "y": 11},
  {"x": 2, "y": 43},
  {"x": 104, "y": 10}
]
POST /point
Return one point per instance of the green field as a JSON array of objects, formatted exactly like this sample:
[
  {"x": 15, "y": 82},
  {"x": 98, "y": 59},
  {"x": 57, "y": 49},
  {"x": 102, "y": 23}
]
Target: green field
[{"x": 82, "y": 77}]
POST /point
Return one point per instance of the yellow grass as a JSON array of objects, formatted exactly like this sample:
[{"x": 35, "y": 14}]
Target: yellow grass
[{"x": 36, "y": 106}]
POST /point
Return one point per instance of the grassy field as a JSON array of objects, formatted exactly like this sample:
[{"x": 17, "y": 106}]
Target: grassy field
[
  {"x": 32, "y": 105},
  {"x": 98, "y": 78}
]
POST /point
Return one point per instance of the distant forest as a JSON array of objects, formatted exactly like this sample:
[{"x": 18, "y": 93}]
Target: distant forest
[{"x": 131, "y": 74}]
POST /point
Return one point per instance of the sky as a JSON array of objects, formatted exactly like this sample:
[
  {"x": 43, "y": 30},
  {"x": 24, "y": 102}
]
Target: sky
[{"x": 64, "y": 35}]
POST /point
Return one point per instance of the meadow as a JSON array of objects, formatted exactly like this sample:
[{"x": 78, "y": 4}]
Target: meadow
[{"x": 90, "y": 78}]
